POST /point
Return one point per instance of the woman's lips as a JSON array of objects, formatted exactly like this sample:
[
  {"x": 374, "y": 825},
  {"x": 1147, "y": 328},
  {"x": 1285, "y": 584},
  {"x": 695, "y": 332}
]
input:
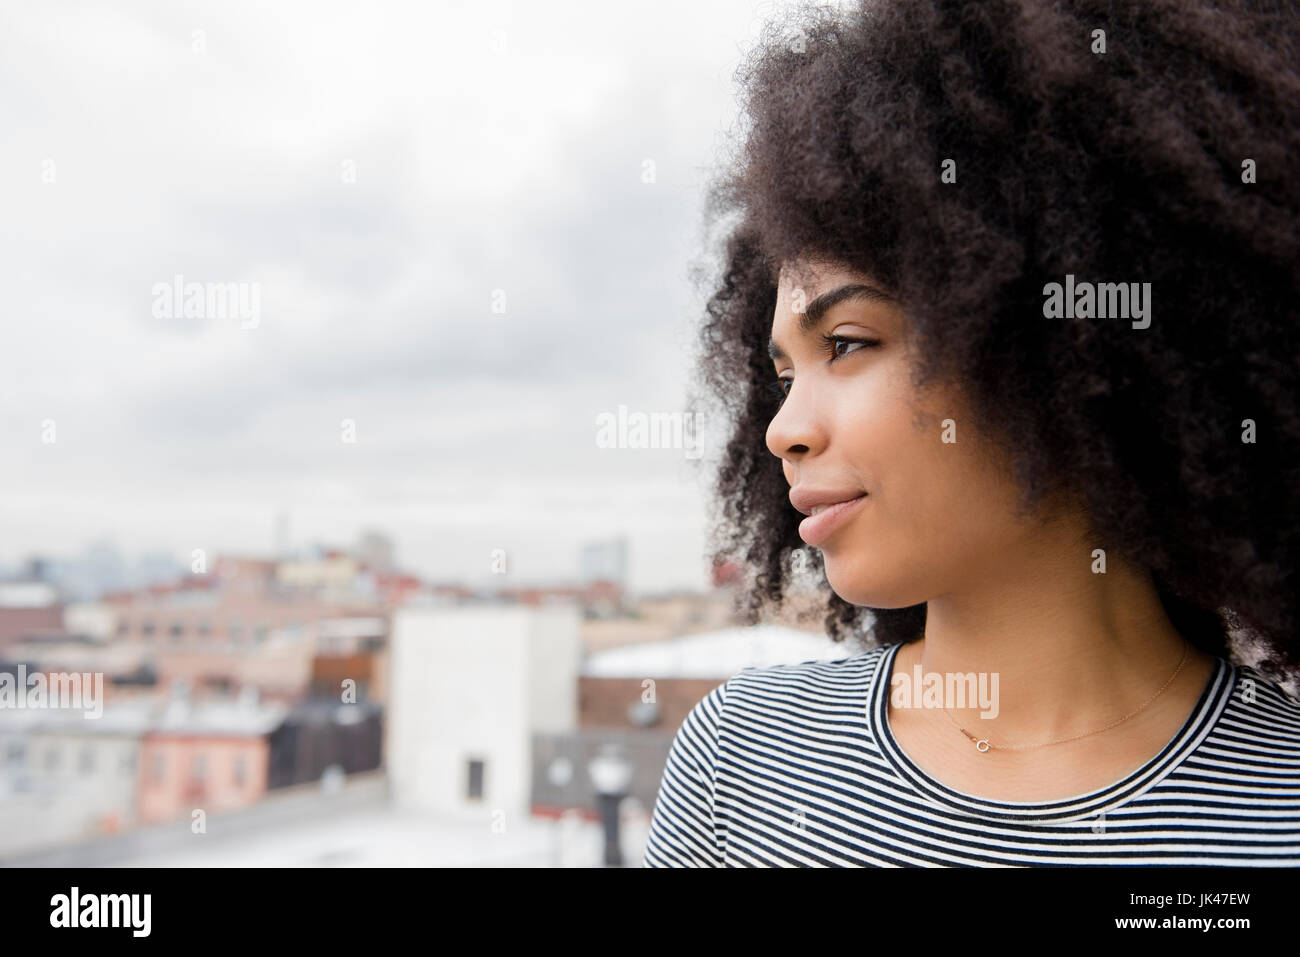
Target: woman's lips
[{"x": 815, "y": 529}]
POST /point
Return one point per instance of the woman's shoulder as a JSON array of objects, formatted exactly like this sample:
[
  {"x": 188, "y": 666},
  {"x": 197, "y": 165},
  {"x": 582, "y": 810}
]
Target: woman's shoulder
[
  {"x": 813, "y": 684},
  {"x": 812, "y": 671},
  {"x": 1271, "y": 708}
]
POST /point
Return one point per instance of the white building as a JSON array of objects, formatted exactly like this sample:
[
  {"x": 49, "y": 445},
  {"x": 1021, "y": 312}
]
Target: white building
[
  {"x": 65, "y": 778},
  {"x": 469, "y": 686},
  {"x": 94, "y": 619},
  {"x": 28, "y": 595}
]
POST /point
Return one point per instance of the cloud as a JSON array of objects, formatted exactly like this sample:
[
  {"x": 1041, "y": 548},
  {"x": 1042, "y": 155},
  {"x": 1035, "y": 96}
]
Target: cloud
[{"x": 493, "y": 149}]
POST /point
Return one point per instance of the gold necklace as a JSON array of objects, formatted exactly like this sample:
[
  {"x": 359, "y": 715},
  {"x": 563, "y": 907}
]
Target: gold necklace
[{"x": 982, "y": 744}]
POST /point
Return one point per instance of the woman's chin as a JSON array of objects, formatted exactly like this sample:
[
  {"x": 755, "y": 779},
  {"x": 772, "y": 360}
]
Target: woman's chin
[{"x": 871, "y": 588}]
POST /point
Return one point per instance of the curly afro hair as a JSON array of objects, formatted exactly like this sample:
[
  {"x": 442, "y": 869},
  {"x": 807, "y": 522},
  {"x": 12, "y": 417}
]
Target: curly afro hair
[{"x": 1160, "y": 150}]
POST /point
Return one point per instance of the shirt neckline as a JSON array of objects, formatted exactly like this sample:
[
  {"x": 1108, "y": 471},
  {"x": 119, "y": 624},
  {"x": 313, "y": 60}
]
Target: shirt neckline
[{"x": 1213, "y": 699}]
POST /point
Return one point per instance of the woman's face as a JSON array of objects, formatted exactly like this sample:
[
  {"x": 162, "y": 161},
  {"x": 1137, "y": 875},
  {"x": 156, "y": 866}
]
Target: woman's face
[{"x": 936, "y": 514}]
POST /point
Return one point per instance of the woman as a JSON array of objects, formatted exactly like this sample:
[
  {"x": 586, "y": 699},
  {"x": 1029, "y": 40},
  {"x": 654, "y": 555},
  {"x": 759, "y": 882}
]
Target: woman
[{"x": 1008, "y": 341}]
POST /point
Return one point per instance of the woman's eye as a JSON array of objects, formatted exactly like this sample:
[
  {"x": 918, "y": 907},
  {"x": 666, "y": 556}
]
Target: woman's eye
[
  {"x": 834, "y": 342},
  {"x": 779, "y": 389}
]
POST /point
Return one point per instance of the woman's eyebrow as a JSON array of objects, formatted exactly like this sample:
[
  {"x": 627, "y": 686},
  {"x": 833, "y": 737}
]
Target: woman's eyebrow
[{"x": 817, "y": 309}]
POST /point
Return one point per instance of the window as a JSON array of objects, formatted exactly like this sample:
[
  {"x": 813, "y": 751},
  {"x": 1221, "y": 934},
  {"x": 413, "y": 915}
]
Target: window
[
  {"x": 205, "y": 631},
  {"x": 177, "y": 632},
  {"x": 259, "y": 635},
  {"x": 234, "y": 632},
  {"x": 146, "y": 628},
  {"x": 241, "y": 769},
  {"x": 475, "y": 779},
  {"x": 15, "y": 754},
  {"x": 127, "y": 763}
]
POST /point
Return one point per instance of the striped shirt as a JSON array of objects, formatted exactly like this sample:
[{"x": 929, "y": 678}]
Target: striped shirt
[{"x": 795, "y": 766}]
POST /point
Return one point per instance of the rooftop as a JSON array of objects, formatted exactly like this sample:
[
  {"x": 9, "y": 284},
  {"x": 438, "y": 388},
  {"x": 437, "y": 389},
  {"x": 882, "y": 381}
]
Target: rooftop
[{"x": 715, "y": 654}]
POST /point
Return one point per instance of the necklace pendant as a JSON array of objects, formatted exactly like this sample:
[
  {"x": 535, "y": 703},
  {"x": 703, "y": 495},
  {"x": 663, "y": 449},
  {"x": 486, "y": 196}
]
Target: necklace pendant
[{"x": 982, "y": 744}]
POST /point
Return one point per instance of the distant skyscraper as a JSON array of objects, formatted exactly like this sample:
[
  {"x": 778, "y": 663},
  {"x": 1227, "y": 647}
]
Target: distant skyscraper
[
  {"x": 375, "y": 551},
  {"x": 100, "y": 568},
  {"x": 282, "y": 534},
  {"x": 605, "y": 561},
  {"x": 153, "y": 568}
]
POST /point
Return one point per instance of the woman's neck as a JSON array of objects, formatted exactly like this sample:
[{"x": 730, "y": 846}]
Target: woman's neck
[{"x": 1072, "y": 648}]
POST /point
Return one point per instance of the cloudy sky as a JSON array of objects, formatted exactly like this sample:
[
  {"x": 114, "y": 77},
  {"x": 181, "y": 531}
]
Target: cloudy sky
[{"x": 386, "y": 177}]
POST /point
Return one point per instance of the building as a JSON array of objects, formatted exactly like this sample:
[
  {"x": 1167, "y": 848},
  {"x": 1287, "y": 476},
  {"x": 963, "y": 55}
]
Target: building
[
  {"x": 28, "y": 608},
  {"x": 659, "y": 618},
  {"x": 469, "y": 688},
  {"x": 375, "y": 551},
  {"x": 64, "y": 778},
  {"x": 635, "y": 697},
  {"x": 224, "y": 639},
  {"x": 210, "y": 756},
  {"x": 321, "y": 737}
]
